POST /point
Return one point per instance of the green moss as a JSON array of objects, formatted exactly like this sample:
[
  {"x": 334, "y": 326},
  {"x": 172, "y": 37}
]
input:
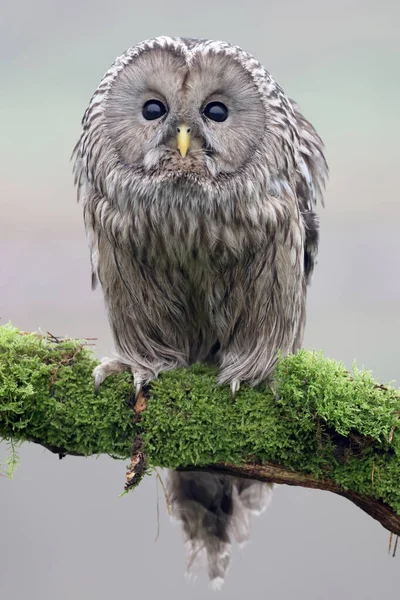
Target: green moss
[
  {"x": 317, "y": 419},
  {"x": 47, "y": 395}
]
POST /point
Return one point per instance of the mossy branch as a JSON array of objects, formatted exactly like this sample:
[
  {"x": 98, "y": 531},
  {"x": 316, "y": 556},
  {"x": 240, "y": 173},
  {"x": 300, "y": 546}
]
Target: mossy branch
[{"x": 318, "y": 427}]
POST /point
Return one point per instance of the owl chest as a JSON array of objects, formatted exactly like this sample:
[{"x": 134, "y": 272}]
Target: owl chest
[
  {"x": 189, "y": 240},
  {"x": 193, "y": 258},
  {"x": 186, "y": 232}
]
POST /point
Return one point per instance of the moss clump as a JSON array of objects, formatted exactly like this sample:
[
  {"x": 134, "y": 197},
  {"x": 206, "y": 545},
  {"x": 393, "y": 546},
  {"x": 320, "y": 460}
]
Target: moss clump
[
  {"x": 317, "y": 419},
  {"x": 47, "y": 395}
]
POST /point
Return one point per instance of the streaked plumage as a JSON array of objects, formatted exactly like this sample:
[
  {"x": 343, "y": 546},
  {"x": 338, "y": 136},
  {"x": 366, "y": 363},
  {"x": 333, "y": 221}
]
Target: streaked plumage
[{"x": 204, "y": 257}]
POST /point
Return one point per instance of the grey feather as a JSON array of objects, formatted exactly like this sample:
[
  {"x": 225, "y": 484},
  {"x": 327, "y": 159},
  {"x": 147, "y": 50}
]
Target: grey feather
[{"x": 204, "y": 258}]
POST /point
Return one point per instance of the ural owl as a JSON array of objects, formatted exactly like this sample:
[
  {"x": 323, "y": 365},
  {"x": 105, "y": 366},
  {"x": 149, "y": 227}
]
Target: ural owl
[{"x": 198, "y": 178}]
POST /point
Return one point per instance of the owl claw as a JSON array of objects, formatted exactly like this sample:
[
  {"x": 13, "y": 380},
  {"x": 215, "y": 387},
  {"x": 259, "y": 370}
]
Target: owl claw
[
  {"x": 138, "y": 389},
  {"x": 98, "y": 378},
  {"x": 107, "y": 367},
  {"x": 111, "y": 366},
  {"x": 235, "y": 386}
]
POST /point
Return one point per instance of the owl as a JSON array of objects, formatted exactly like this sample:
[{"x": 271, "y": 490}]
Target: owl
[{"x": 199, "y": 178}]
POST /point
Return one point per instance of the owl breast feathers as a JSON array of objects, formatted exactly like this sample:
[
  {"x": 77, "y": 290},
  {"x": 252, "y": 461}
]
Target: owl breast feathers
[{"x": 198, "y": 179}]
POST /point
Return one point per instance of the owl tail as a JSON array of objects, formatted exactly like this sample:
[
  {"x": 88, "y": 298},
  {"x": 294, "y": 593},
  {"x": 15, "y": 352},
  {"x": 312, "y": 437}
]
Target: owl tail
[{"x": 214, "y": 509}]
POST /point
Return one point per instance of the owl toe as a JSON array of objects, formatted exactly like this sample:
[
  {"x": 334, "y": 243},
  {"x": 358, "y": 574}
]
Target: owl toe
[
  {"x": 138, "y": 385},
  {"x": 107, "y": 367},
  {"x": 235, "y": 386}
]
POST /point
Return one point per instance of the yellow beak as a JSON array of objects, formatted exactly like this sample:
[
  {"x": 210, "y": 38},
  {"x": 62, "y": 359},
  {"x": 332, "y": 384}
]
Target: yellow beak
[{"x": 183, "y": 139}]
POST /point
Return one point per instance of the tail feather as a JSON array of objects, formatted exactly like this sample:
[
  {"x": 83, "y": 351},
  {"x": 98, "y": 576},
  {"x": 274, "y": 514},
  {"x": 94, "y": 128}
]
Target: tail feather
[
  {"x": 214, "y": 509},
  {"x": 254, "y": 495}
]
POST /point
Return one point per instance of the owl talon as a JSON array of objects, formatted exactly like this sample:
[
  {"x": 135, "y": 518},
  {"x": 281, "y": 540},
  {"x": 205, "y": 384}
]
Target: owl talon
[
  {"x": 235, "y": 387},
  {"x": 138, "y": 389},
  {"x": 107, "y": 367},
  {"x": 98, "y": 379}
]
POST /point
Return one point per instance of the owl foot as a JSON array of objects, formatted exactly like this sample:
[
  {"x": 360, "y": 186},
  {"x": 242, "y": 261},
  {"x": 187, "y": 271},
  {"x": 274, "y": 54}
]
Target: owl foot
[
  {"x": 107, "y": 367},
  {"x": 111, "y": 366},
  {"x": 235, "y": 387}
]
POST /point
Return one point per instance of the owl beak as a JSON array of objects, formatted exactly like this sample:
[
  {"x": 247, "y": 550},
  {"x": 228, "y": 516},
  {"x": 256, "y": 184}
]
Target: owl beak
[{"x": 183, "y": 139}]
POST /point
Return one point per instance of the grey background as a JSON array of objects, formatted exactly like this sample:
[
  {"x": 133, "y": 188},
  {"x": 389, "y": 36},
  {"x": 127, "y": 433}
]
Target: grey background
[{"x": 65, "y": 534}]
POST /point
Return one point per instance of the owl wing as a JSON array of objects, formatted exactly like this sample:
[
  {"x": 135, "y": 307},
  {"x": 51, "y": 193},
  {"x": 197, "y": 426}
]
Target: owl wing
[
  {"x": 90, "y": 202},
  {"x": 311, "y": 176}
]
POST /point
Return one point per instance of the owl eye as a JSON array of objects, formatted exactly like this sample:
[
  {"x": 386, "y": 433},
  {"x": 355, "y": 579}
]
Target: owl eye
[
  {"x": 153, "y": 109},
  {"x": 216, "y": 111}
]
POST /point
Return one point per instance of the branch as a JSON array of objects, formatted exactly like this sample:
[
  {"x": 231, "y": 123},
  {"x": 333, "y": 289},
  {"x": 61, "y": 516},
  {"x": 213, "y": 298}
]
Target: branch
[{"x": 317, "y": 426}]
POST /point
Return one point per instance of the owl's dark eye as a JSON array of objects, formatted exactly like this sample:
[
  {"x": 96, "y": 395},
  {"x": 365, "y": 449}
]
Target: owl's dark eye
[
  {"x": 216, "y": 111},
  {"x": 153, "y": 109}
]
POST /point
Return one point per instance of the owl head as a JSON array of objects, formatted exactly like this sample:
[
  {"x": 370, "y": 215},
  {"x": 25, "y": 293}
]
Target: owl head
[
  {"x": 176, "y": 108},
  {"x": 198, "y": 112},
  {"x": 182, "y": 106}
]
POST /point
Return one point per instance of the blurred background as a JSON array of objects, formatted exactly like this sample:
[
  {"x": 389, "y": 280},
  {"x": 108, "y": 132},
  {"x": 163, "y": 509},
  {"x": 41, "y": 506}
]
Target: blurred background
[{"x": 65, "y": 534}]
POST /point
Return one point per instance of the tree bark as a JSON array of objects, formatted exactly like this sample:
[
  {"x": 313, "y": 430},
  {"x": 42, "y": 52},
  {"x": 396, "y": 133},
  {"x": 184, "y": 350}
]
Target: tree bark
[{"x": 275, "y": 474}]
